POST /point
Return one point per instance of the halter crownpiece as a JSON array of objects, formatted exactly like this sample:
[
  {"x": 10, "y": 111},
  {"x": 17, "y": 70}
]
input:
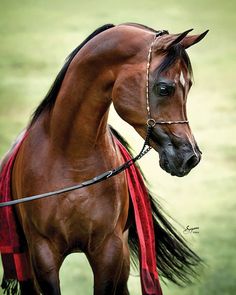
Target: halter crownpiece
[{"x": 150, "y": 121}]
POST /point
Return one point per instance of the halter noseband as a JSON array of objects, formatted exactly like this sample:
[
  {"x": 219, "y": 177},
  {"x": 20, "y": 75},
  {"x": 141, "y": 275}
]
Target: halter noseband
[{"x": 151, "y": 123}]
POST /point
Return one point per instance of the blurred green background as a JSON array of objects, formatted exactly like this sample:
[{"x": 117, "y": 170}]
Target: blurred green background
[{"x": 36, "y": 36}]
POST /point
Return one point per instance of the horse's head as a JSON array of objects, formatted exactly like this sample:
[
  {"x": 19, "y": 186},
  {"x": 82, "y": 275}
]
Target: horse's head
[{"x": 163, "y": 88}]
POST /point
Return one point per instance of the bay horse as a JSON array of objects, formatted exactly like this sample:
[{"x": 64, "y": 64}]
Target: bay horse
[{"x": 69, "y": 141}]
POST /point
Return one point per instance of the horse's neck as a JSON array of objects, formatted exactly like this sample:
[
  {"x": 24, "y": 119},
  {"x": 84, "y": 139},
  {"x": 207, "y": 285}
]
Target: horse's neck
[{"x": 78, "y": 121}]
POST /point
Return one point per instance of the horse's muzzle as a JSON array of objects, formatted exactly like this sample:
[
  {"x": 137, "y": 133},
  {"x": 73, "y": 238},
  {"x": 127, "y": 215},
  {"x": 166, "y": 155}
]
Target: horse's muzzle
[
  {"x": 179, "y": 164},
  {"x": 178, "y": 156}
]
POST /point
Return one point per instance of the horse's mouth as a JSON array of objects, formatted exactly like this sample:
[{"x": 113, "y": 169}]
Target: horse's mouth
[
  {"x": 171, "y": 168},
  {"x": 167, "y": 165}
]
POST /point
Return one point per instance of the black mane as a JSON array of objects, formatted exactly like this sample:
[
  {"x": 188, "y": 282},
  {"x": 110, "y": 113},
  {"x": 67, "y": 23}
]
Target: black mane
[{"x": 50, "y": 98}]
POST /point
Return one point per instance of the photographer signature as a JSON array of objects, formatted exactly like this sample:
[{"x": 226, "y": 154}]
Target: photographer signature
[{"x": 191, "y": 230}]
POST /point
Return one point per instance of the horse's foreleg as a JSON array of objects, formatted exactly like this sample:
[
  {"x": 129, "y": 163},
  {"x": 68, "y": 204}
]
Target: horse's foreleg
[
  {"x": 46, "y": 263},
  {"x": 122, "y": 287},
  {"x": 106, "y": 263}
]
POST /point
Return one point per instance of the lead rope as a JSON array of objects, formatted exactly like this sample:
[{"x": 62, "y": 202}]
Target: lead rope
[{"x": 106, "y": 175}]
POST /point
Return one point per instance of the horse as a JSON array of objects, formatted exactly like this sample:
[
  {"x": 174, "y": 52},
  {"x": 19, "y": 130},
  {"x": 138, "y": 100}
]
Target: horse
[{"x": 147, "y": 75}]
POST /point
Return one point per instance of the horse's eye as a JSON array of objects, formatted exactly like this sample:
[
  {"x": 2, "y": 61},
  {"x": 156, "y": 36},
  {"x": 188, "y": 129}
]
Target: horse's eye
[{"x": 163, "y": 89}]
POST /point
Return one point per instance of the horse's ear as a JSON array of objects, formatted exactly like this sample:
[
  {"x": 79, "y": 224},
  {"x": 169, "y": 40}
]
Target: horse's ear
[
  {"x": 165, "y": 42},
  {"x": 193, "y": 39}
]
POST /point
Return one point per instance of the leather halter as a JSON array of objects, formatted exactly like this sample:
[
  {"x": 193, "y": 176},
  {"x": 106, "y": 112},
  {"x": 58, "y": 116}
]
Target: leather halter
[{"x": 150, "y": 121}]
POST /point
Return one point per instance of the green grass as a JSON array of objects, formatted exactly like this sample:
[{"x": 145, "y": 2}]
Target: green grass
[{"x": 36, "y": 36}]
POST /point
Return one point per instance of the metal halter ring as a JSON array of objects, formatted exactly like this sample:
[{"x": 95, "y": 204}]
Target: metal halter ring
[{"x": 151, "y": 123}]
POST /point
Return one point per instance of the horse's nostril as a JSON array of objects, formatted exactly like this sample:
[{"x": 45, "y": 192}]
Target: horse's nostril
[{"x": 192, "y": 162}]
